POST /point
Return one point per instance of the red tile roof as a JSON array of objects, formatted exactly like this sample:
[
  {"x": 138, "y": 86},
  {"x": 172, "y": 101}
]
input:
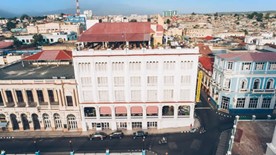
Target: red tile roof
[
  {"x": 159, "y": 28},
  {"x": 5, "y": 44},
  {"x": 204, "y": 49},
  {"x": 51, "y": 55},
  {"x": 207, "y": 63},
  {"x": 249, "y": 56},
  {"x": 114, "y": 32}
]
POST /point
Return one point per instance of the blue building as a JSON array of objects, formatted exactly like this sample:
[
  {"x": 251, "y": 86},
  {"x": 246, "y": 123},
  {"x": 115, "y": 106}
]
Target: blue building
[{"x": 244, "y": 83}]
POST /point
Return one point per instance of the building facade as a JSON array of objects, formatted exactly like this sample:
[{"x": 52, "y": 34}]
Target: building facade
[
  {"x": 136, "y": 89},
  {"x": 244, "y": 83},
  {"x": 36, "y": 94}
]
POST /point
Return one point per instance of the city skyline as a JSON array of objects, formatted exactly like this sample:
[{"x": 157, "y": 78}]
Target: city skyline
[{"x": 100, "y": 7}]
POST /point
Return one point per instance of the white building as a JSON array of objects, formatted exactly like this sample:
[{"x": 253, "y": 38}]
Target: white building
[{"x": 136, "y": 89}]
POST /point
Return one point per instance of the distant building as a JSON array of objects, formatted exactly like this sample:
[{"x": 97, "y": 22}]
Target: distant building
[
  {"x": 169, "y": 13},
  {"x": 244, "y": 83},
  {"x": 54, "y": 27},
  {"x": 88, "y": 14},
  {"x": 198, "y": 32},
  {"x": 39, "y": 94}
]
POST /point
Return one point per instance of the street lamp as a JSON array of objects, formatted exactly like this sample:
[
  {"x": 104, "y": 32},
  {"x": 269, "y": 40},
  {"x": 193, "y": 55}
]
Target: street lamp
[
  {"x": 143, "y": 150},
  {"x": 37, "y": 152},
  {"x": 71, "y": 148}
]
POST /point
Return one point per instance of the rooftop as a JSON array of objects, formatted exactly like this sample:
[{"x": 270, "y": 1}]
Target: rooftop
[
  {"x": 117, "y": 32},
  {"x": 249, "y": 56},
  {"x": 5, "y": 44},
  {"x": 207, "y": 63},
  {"x": 51, "y": 55},
  {"x": 27, "y": 71},
  {"x": 253, "y": 137}
]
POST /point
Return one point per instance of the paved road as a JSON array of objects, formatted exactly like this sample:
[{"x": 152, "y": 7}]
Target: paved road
[{"x": 178, "y": 144}]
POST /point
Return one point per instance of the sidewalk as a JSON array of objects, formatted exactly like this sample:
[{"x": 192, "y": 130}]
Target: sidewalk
[{"x": 54, "y": 134}]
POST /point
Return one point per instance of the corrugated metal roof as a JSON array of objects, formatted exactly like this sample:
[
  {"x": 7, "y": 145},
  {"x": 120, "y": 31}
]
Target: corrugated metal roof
[
  {"x": 249, "y": 56},
  {"x": 112, "y": 32},
  {"x": 207, "y": 63},
  {"x": 50, "y": 55},
  {"x": 5, "y": 44}
]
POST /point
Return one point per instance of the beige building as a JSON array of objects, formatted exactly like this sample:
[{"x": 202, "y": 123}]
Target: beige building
[
  {"x": 53, "y": 27},
  {"x": 175, "y": 32},
  {"x": 36, "y": 94},
  {"x": 198, "y": 32}
]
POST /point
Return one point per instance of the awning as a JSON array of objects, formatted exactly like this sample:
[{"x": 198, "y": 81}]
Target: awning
[
  {"x": 3, "y": 124},
  {"x": 120, "y": 110},
  {"x": 105, "y": 110},
  {"x": 136, "y": 110},
  {"x": 152, "y": 110}
]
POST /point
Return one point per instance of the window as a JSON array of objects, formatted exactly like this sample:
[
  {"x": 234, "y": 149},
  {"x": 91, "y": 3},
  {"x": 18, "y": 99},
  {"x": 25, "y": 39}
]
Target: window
[
  {"x": 230, "y": 65},
  {"x": 186, "y": 65},
  {"x": 117, "y": 66},
  {"x": 69, "y": 100},
  {"x": 135, "y": 95},
  {"x": 186, "y": 79},
  {"x": 119, "y": 81},
  {"x": 151, "y": 125},
  {"x": 101, "y": 66},
  {"x": 137, "y": 125},
  {"x": 256, "y": 84},
  {"x": 135, "y": 66},
  {"x": 51, "y": 96},
  {"x": 19, "y": 96},
  {"x": 103, "y": 95},
  {"x": 185, "y": 94},
  {"x": 169, "y": 65},
  {"x": 86, "y": 81},
  {"x": 30, "y": 96},
  {"x": 246, "y": 65},
  {"x": 135, "y": 81},
  {"x": 168, "y": 95},
  {"x": 152, "y": 95},
  {"x": 40, "y": 95},
  {"x": 89, "y": 112},
  {"x": 227, "y": 83},
  {"x": 84, "y": 67},
  {"x": 152, "y": 65},
  {"x": 244, "y": 84},
  {"x": 269, "y": 84},
  {"x": 240, "y": 103},
  {"x": 9, "y": 96},
  {"x": 259, "y": 66},
  {"x": 1, "y": 100},
  {"x": 152, "y": 80},
  {"x": 122, "y": 125},
  {"x": 102, "y": 81},
  {"x": 266, "y": 103},
  {"x": 272, "y": 66},
  {"x": 119, "y": 95},
  {"x": 253, "y": 102},
  {"x": 169, "y": 80}
]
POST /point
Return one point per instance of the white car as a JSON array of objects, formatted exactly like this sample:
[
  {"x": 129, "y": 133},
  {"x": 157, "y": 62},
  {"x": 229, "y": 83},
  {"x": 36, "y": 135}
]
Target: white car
[{"x": 193, "y": 130}]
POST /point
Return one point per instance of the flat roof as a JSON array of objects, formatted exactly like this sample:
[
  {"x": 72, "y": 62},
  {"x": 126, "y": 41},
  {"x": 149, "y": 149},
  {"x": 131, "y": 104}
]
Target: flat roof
[
  {"x": 28, "y": 72},
  {"x": 254, "y": 136}
]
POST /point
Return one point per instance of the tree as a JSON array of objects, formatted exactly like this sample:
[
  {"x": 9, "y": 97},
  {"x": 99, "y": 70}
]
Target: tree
[
  {"x": 10, "y": 25},
  {"x": 259, "y": 17},
  {"x": 267, "y": 15},
  {"x": 245, "y": 32},
  {"x": 216, "y": 14},
  {"x": 133, "y": 20},
  {"x": 16, "y": 43},
  {"x": 168, "y": 21},
  {"x": 25, "y": 16},
  {"x": 193, "y": 13},
  {"x": 38, "y": 39}
]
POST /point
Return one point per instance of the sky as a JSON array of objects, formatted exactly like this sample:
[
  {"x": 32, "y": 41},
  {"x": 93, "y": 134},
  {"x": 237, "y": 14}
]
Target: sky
[{"x": 103, "y": 7}]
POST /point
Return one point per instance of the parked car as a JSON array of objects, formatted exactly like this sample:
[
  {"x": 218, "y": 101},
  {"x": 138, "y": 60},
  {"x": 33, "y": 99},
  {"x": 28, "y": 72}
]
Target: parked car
[
  {"x": 140, "y": 134},
  {"x": 116, "y": 135},
  {"x": 98, "y": 135},
  {"x": 193, "y": 130}
]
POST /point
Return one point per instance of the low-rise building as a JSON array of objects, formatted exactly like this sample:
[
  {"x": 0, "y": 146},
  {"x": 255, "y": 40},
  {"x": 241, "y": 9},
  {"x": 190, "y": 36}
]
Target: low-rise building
[
  {"x": 40, "y": 93},
  {"x": 244, "y": 83},
  {"x": 54, "y": 27},
  {"x": 198, "y": 32}
]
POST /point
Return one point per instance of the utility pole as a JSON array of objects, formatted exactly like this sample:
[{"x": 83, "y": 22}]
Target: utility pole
[{"x": 77, "y": 7}]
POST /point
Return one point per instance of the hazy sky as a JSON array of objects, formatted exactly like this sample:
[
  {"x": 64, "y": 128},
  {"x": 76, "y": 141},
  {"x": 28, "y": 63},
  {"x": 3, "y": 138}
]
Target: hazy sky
[{"x": 138, "y": 6}]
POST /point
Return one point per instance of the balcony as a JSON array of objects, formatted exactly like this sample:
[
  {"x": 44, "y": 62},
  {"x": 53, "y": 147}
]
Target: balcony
[
  {"x": 44, "y": 105},
  {"x": 264, "y": 91},
  {"x": 10, "y": 104},
  {"x": 54, "y": 105},
  {"x": 225, "y": 89},
  {"x": 32, "y": 104},
  {"x": 243, "y": 90},
  {"x": 21, "y": 104}
]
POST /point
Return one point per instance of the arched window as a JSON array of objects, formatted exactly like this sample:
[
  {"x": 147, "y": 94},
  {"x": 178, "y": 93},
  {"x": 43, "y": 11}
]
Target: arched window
[
  {"x": 243, "y": 84},
  {"x": 47, "y": 121},
  {"x": 72, "y": 122},
  {"x": 256, "y": 84},
  {"x": 269, "y": 84},
  {"x": 58, "y": 123}
]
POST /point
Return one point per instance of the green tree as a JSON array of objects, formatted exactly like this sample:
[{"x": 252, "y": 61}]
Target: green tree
[
  {"x": 25, "y": 16},
  {"x": 259, "y": 17},
  {"x": 193, "y": 13},
  {"x": 267, "y": 15},
  {"x": 168, "y": 21},
  {"x": 37, "y": 39},
  {"x": 10, "y": 25},
  {"x": 16, "y": 43},
  {"x": 245, "y": 32}
]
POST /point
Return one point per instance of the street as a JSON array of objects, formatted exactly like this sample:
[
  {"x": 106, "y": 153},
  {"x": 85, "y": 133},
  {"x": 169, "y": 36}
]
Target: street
[{"x": 178, "y": 143}]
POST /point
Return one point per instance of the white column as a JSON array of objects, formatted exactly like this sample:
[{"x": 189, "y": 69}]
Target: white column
[
  {"x": 160, "y": 112},
  {"x": 260, "y": 101},
  {"x": 175, "y": 111},
  {"x": 273, "y": 101},
  {"x": 128, "y": 112},
  {"x": 144, "y": 112},
  {"x": 247, "y": 99},
  {"x": 83, "y": 122},
  {"x": 192, "y": 110},
  {"x": 97, "y": 112}
]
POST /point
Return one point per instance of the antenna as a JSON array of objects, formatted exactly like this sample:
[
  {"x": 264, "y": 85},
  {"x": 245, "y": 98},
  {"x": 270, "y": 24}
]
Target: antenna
[{"x": 78, "y": 7}]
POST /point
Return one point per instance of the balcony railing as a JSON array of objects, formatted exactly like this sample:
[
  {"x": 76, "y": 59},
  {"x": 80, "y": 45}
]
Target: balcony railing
[
  {"x": 32, "y": 104},
  {"x": 267, "y": 91},
  {"x": 10, "y": 104},
  {"x": 21, "y": 104}
]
